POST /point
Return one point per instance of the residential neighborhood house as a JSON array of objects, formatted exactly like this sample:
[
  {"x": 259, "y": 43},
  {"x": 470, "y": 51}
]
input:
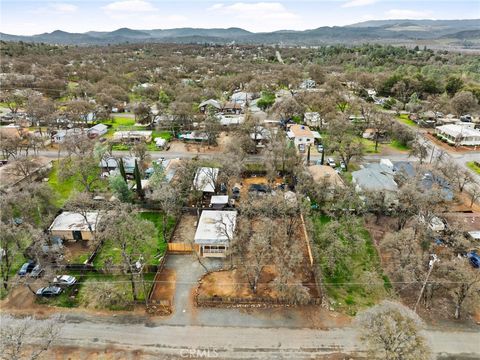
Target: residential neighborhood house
[
  {"x": 73, "y": 226},
  {"x": 215, "y": 229}
]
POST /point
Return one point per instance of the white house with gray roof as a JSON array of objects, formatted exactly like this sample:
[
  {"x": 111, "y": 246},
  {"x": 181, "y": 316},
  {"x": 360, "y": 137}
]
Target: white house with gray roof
[{"x": 214, "y": 231}]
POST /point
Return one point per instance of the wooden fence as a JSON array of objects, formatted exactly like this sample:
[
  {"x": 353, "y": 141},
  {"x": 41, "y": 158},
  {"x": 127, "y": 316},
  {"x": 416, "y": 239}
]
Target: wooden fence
[{"x": 179, "y": 247}]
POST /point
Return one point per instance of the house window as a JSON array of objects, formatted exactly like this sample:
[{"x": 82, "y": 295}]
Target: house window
[{"x": 214, "y": 249}]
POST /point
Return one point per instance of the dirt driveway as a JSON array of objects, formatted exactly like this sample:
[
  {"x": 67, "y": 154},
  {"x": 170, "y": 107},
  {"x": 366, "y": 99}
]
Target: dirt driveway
[{"x": 188, "y": 271}]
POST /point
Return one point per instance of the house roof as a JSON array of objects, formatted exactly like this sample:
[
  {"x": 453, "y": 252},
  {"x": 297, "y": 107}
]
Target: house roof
[
  {"x": 219, "y": 200},
  {"x": 212, "y": 102},
  {"x": 72, "y": 221},
  {"x": 232, "y": 105},
  {"x": 321, "y": 172},
  {"x": 301, "y": 131},
  {"x": 455, "y": 130},
  {"x": 111, "y": 162},
  {"x": 469, "y": 222},
  {"x": 375, "y": 177},
  {"x": 99, "y": 128},
  {"x": 205, "y": 179},
  {"x": 215, "y": 227},
  {"x": 133, "y": 133}
]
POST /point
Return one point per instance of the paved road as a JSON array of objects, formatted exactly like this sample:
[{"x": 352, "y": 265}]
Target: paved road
[{"x": 246, "y": 342}]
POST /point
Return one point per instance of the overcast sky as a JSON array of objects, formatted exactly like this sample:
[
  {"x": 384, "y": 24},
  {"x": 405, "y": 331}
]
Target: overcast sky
[{"x": 26, "y": 17}]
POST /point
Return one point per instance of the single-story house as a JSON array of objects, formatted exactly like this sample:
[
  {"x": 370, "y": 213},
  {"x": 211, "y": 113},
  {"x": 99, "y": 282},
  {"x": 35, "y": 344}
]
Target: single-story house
[
  {"x": 219, "y": 202},
  {"x": 97, "y": 130},
  {"x": 210, "y": 102},
  {"x": 205, "y": 179},
  {"x": 112, "y": 164},
  {"x": 226, "y": 120},
  {"x": 459, "y": 134},
  {"x": 301, "y": 135},
  {"x": 232, "y": 107},
  {"x": 214, "y": 231},
  {"x": 61, "y": 135},
  {"x": 133, "y": 136},
  {"x": 376, "y": 178},
  {"x": 73, "y": 226},
  {"x": 469, "y": 223}
]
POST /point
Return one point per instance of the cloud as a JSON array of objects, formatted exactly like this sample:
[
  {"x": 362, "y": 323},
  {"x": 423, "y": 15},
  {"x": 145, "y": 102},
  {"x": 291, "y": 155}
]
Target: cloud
[
  {"x": 63, "y": 8},
  {"x": 408, "y": 14},
  {"x": 355, "y": 3},
  {"x": 129, "y": 6},
  {"x": 176, "y": 18},
  {"x": 256, "y": 11}
]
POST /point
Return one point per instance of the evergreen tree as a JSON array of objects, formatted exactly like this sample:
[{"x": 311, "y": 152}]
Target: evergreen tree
[
  {"x": 122, "y": 170},
  {"x": 138, "y": 181}
]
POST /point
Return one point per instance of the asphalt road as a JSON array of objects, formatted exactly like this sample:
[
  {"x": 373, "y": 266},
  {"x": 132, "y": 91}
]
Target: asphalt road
[{"x": 246, "y": 342}]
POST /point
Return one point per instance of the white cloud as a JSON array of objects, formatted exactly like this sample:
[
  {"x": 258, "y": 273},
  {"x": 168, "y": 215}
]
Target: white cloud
[
  {"x": 256, "y": 11},
  {"x": 355, "y": 3},
  {"x": 63, "y": 8},
  {"x": 176, "y": 18},
  {"x": 129, "y": 6},
  {"x": 408, "y": 14}
]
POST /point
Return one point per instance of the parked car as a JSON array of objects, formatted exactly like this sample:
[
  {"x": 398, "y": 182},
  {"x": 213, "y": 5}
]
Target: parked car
[
  {"x": 259, "y": 188},
  {"x": 320, "y": 148},
  {"x": 37, "y": 271},
  {"x": 49, "y": 291},
  {"x": 343, "y": 166},
  {"x": 64, "y": 280},
  {"x": 474, "y": 259},
  {"x": 331, "y": 162},
  {"x": 26, "y": 268},
  {"x": 236, "y": 192}
]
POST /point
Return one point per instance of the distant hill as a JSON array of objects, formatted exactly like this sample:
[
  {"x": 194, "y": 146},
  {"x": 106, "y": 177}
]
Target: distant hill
[{"x": 382, "y": 31}]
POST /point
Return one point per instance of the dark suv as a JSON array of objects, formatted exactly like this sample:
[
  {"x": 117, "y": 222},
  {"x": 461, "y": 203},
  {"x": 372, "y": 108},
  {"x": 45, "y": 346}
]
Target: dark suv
[{"x": 26, "y": 268}]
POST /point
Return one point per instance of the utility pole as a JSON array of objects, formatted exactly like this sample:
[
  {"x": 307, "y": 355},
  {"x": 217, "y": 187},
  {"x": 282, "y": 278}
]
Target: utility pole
[{"x": 430, "y": 268}]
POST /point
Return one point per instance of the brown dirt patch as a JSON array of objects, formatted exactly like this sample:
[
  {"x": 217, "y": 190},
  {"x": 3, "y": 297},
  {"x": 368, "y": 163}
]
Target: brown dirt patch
[
  {"x": 74, "y": 249},
  {"x": 185, "y": 231},
  {"x": 164, "y": 287},
  {"x": 230, "y": 284}
]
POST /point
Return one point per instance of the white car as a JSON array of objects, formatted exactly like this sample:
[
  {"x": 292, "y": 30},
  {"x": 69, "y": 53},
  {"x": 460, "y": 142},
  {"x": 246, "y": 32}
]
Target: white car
[
  {"x": 64, "y": 280},
  {"x": 331, "y": 162}
]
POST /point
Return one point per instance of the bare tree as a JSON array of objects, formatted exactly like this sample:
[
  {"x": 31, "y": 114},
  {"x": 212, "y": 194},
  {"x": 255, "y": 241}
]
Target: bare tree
[
  {"x": 391, "y": 331},
  {"x": 456, "y": 175},
  {"x": 462, "y": 283},
  {"x": 27, "y": 338},
  {"x": 131, "y": 235},
  {"x": 14, "y": 239}
]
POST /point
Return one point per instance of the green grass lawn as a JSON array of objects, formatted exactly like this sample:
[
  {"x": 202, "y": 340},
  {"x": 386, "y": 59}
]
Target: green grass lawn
[
  {"x": 156, "y": 248},
  {"x": 345, "y": 287},
  {"x": 404, "y": 119},
  {"x": 395, "y": 144},
  {"x": 370, "y": 146},
  {"x": 474, "y": 167},
  {"x": 63, "y": 188},
  {"x": 157, "y": 219}
]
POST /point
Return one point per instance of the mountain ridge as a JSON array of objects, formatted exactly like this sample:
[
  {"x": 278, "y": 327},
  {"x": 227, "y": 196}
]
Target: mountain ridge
[{"x": 386, "y": 31}]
